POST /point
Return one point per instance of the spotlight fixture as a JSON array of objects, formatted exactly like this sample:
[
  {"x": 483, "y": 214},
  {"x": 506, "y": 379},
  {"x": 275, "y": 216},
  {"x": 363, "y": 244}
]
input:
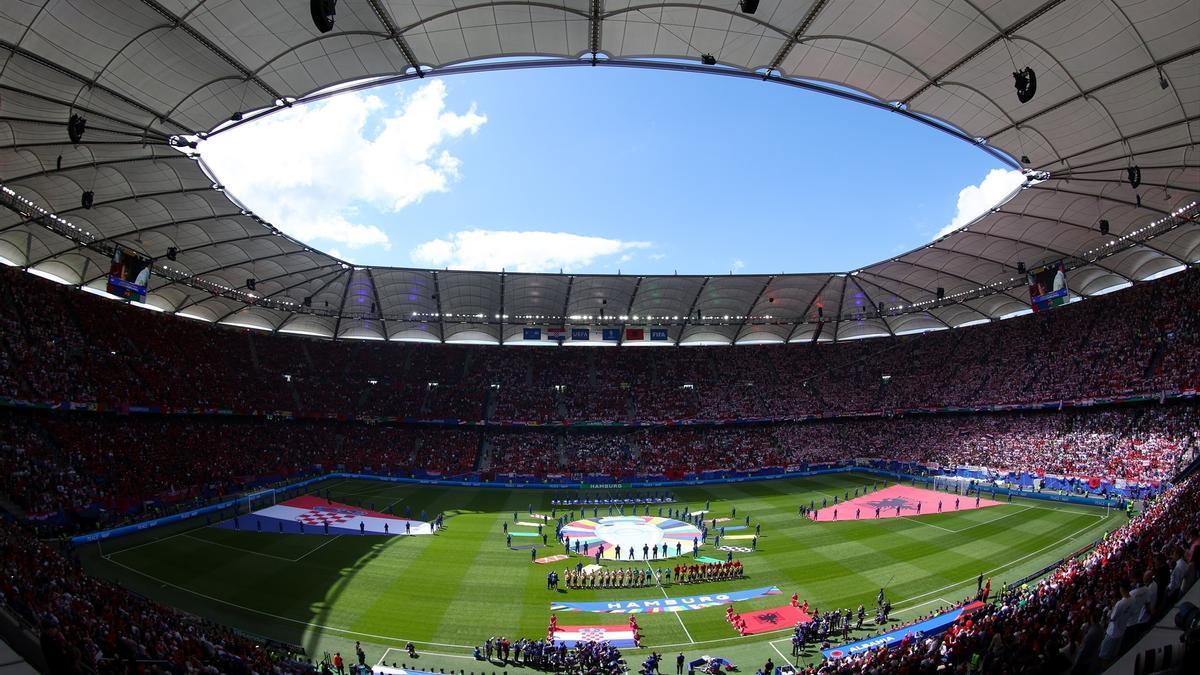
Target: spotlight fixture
[
  {"x": 58, "y": 163},
  {"x": 75, "y": 127},
  {"x": 1021, "y": 267},
  {"x": 1103, "y": 226},
  {"x": 1025, "y": 82},
  {"x": 748, "y": 6},
  {"x": 250, "y": 284},
  {"x": 1135, "y": 176},
  {"x": 322, "y": 14},
  {"x": 235, "y": 117},
  {"x": 88, "y": 199},
  {"x": 708, "y": 60},
  {"x": 172, "y": 253},
  {"x": 1162, "y": 79},
  {"x": 941, "y": 293},
  {"x": 1139, "y": 200},
  {"x": 1025, "y": 160}
]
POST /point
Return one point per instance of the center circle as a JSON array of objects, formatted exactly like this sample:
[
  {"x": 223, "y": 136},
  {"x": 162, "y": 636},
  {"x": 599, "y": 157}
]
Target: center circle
[{"x": 643, "y": 536}]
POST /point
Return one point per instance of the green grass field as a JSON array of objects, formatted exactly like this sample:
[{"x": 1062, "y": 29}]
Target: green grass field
[{"x": 451, "y": 591}]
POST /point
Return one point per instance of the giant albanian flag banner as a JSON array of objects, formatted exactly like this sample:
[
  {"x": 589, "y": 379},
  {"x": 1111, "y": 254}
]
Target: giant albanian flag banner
[
  {"x": 916, "y": 631},
  {"x": 314, "y": 515},
  {"x": 656, "y": 605}
]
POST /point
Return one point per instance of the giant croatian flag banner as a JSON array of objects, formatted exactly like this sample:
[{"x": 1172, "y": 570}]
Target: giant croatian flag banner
[
  {"x": 314, "y": 515},
  {"x": 926, "y": 628},
  {"x": 657, "y": 605},
  {"x": 617, "y": 636}
]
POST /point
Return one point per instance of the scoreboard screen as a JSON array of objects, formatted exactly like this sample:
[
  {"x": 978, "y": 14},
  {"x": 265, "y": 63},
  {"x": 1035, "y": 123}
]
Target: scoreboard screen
[
  {"x": 128, "y": 275},
  {"x": 1048, "y": 286}
]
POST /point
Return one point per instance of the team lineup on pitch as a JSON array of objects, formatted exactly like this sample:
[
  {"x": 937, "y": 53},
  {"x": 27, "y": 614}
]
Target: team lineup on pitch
[{"x": 456, "y": 586}]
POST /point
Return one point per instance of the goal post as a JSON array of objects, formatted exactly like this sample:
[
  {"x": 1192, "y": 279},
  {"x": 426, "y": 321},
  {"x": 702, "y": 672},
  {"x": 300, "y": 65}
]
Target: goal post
[{"x": 256, "y": 501}]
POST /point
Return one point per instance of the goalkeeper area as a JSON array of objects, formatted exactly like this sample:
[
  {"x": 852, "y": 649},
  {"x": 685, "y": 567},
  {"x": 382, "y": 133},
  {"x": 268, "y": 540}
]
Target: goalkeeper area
[{"x": 484, "y": 572}]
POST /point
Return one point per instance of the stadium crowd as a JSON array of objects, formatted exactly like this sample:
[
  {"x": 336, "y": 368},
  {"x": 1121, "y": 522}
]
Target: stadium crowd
[
  {"x": 186, "y": 460},
  {"x": 63, "y": 345}
]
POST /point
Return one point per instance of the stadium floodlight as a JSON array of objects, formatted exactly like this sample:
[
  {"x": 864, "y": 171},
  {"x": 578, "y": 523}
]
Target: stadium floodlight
[
  {"x": 1025, "y": 82},
  {"x": 1103, "y": 226},
  {"x": 322, "y": 14},
  {"x": 172, "y": 253},
  {"x": 88, "y": 199},
  {"x": 708, "y": 60},
  {"x": 76, "y": 125},
  {"x": 1025, "y": 160},
  {"x": 1135, "y": 176},
  {"x": 748, "y": 6}
]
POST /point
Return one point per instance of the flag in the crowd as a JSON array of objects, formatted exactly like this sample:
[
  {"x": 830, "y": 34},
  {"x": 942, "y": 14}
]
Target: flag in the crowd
[
  {"x": 617, "y": 636},
  {"x": 556, "y": 332},
  {"x": 635, "y": 334}
]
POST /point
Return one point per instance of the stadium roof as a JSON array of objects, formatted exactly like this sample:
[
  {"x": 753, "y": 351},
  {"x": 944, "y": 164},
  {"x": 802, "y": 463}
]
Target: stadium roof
[{"x": 1118, "y": 85}]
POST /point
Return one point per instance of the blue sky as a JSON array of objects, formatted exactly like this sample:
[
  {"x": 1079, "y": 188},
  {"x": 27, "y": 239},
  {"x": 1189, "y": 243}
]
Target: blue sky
[{"x": 600, "y": 169}]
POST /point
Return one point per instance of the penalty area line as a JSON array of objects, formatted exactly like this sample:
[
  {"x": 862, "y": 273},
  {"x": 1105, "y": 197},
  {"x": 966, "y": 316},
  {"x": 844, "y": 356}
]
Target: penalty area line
[
  {"x": 202, "y": 540},
  {"x": 318, "y": 548}
]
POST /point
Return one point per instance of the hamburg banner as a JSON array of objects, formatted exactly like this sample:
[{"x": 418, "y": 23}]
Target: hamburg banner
[{"x": 657, "y": 605}]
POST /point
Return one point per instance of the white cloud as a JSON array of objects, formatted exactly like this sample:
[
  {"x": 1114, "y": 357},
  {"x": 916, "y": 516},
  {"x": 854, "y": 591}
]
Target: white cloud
[
  {"x": 975, "y": 200},
  {"x": 305, "y": 170},
  {"x": 738, "y": 264},
  {"x": 516, "y": 251}
]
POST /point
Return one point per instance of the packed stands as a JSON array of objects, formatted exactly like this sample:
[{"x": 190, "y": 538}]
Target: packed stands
[
  {"x": 63, "y": 345},
  {"x": 186, "y": 460}
]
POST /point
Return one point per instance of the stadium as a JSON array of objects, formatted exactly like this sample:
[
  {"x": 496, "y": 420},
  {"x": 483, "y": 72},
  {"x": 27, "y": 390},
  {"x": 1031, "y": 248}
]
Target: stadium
[{"x": 230, "y": 449}]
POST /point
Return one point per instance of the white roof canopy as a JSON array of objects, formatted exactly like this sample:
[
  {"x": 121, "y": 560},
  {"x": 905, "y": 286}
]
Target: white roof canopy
[{"x": 1118, "y": 85}]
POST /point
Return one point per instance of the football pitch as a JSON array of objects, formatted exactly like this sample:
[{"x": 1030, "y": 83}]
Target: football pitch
[{"x": 450, "y": 591}]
